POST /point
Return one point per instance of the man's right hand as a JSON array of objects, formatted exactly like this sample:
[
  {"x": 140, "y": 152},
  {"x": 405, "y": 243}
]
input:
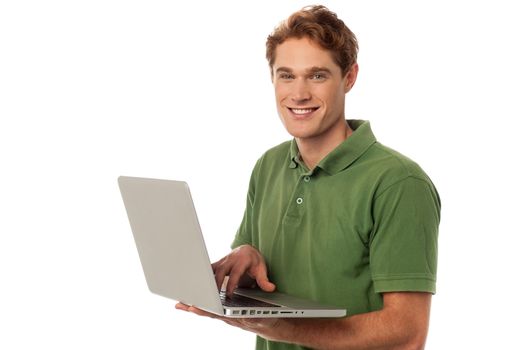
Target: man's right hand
[{"x": 243, "y": 262}]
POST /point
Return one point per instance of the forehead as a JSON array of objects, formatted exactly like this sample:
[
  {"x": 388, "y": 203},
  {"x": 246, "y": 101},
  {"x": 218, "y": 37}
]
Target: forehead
[{"x": 302, "y": 54}]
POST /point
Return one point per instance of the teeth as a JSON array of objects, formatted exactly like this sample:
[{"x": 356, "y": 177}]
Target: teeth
[{"x": 302, "y": 110}]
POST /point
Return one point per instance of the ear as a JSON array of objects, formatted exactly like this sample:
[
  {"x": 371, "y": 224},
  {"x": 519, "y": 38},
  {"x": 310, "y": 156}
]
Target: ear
[{"x": 350, "y": 77}]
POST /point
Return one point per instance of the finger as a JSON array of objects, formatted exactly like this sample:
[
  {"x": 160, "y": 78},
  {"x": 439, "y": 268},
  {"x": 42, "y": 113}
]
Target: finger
[
  {"x": 217, "y": 264},
  {"x": 220, "y": 277},
  {"x": 220, "y": 271},
  {"x": 181, "y": 306},
  {"x": 231, "y": 286},
  {"x": 233, "y": 279}
]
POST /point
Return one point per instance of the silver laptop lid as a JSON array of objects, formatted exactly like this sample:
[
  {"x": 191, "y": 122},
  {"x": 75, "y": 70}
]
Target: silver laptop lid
[{"x": 163, "y": 221}]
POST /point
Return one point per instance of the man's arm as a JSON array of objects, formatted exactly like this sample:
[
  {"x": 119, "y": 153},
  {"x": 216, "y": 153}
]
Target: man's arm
[{"x": 401, "y": 324}]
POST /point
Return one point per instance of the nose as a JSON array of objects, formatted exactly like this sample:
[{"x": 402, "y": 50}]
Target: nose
[{"x": 300, "y": 91}]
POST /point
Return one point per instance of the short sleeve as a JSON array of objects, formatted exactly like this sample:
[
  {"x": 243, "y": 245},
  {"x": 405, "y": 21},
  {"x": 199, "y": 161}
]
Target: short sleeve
[
  {"x": 244, "y": 234},
  {"x": 404, "y": 241}
]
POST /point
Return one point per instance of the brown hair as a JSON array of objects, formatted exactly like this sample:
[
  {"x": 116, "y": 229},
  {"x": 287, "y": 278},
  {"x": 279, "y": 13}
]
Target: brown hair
[{"x": 324, "y": 28}]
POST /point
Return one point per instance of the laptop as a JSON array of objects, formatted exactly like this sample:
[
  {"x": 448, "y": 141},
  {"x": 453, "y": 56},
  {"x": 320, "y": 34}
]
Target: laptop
[{"x": 175, "y": 260}]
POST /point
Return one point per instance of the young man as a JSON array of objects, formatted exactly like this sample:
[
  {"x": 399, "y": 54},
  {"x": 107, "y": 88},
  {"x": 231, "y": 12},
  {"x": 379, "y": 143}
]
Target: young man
[{"x": 333, "y": 215}]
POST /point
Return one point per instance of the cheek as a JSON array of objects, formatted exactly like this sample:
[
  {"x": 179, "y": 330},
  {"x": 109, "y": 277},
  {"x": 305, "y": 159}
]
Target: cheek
[
  {"x": 281, "y": 92},
  {"x": 330, "y": 95}
]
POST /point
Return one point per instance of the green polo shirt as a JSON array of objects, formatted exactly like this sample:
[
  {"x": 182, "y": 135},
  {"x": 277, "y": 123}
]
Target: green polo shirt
[{"x": 364, "y": 221}]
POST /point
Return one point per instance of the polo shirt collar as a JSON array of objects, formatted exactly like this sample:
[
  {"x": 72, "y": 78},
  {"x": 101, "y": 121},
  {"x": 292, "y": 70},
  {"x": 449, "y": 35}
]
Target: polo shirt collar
[{"x": 344, "y": 154}]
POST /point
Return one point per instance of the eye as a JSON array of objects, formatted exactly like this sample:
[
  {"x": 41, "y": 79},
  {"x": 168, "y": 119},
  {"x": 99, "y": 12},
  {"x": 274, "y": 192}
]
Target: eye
[
  {"x": 318, "y": 76},
  {"x": 285, "y": 76}
]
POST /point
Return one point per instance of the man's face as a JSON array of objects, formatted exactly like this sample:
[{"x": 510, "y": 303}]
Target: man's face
[{"x": 310, "y": 90}]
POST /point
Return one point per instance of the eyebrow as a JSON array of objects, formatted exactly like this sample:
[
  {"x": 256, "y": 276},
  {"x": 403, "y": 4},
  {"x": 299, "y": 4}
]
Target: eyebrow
[{"x": 310, "y": 70}]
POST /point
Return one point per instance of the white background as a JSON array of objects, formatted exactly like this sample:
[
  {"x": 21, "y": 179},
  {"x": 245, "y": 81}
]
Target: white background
[{"x": 90, "y": 90}]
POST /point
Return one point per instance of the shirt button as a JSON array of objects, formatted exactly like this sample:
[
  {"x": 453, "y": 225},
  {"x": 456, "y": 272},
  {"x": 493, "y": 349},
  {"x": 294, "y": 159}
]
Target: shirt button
[
  {"x": 306, "y": 178},
  {"x": 299, "y": 200}
]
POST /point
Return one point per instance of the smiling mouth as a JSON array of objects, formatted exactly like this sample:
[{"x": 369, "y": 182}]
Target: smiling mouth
[{"x": 303, "y": 111}]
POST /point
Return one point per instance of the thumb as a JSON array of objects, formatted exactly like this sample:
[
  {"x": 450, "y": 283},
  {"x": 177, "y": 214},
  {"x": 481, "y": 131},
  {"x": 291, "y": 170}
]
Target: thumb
[{"x": 263, "y": 282}]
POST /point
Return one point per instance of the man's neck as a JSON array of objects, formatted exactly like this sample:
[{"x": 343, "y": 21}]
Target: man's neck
[{"x": 313, "y": 150}]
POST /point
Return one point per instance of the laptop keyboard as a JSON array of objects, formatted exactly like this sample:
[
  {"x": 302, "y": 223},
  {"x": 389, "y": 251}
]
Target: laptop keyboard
[{"x": 242, "y": 301}]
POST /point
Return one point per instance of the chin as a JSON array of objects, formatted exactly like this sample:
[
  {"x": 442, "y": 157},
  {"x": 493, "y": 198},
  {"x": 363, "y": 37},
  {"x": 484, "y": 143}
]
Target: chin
[{"x": 299, "y": 131}]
